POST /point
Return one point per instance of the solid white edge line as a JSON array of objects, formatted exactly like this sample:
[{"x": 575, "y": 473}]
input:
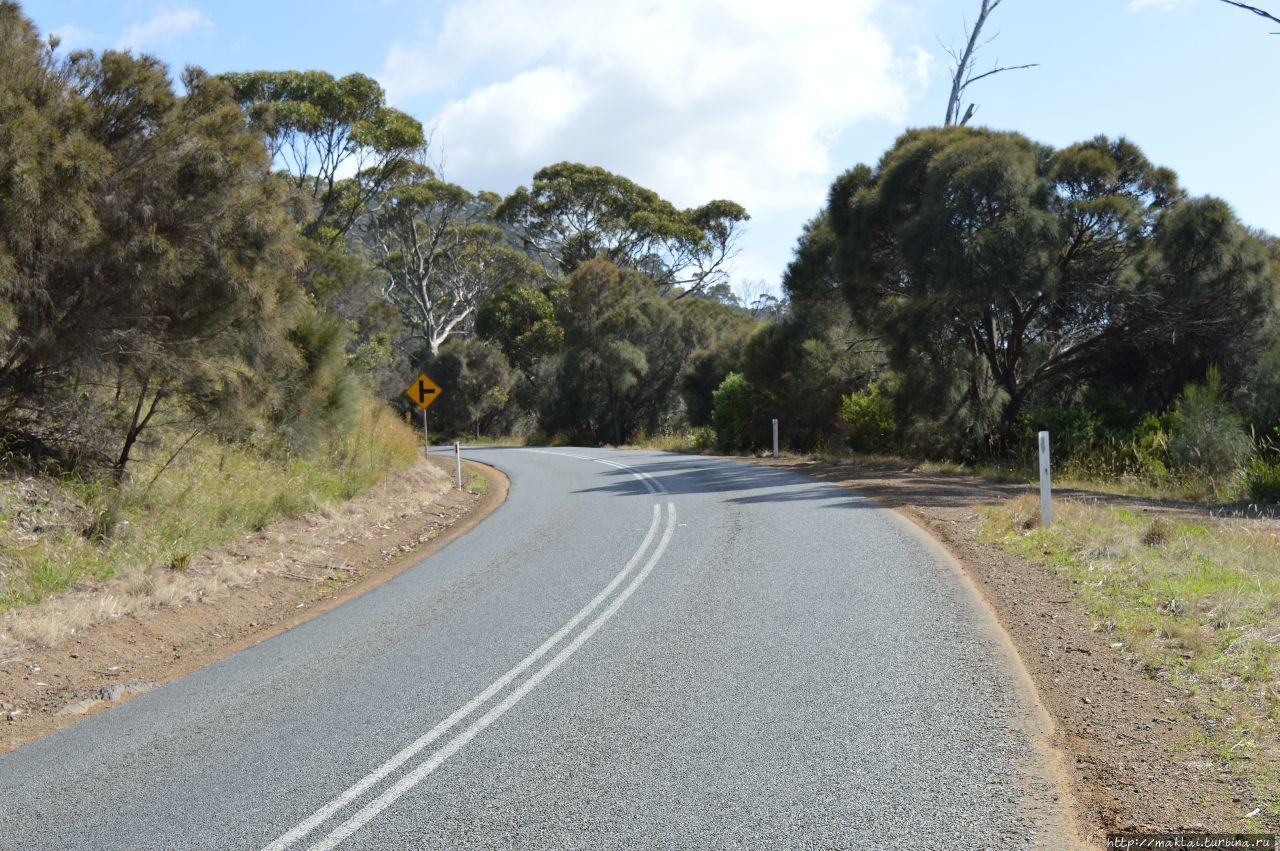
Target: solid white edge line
[
  {"x": 363, "y": 785},
  {"x": 413, "y": 778}
]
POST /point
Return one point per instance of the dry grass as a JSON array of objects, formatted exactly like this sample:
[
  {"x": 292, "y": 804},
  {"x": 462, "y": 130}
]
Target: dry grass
[
  {"x": 1196, "y": 602},
  {"x": 693, "y": 441},
  {"x": 299, "y": 548},
  {"x": 158, "y": 527}
]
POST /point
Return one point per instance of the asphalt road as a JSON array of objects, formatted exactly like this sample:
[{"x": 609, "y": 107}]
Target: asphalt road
[{"x": 637, "y": 650}]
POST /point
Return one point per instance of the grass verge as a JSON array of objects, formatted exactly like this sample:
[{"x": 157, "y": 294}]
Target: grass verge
[
  {"x": 1196, "y": 602},
  {"x": 57, "y": 534}
]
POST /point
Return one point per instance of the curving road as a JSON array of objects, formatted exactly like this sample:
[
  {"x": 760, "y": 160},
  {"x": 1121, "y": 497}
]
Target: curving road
[{"x": 636, "y": 650}]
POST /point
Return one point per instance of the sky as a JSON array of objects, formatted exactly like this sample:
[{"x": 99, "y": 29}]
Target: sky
[{"x": 759, "y": 101}]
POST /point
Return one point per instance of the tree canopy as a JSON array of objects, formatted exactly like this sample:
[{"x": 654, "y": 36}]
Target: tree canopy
[
  {"x": 318, "y": 127},
  {"x": 441, "y": 254},
  {"x": 147, "y": 248},
  {"x": 573, "y": 213},
  {"x": 995, "y": 268}
]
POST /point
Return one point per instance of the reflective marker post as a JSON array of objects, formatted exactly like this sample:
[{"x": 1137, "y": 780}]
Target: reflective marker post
[
  {"x": 457, "y": 458},
  {"x": 775, "y": 438},
  {"x": 1046, "y": 488}
]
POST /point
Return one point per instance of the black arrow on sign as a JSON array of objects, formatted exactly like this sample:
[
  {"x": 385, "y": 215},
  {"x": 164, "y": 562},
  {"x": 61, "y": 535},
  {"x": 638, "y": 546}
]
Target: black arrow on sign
[{"x": 424, "y": 391}]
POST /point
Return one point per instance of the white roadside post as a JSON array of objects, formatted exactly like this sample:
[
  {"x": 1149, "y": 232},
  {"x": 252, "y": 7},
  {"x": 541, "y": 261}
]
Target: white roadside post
[
  {"x": 457, "y": 459},
  {"x": 775, "y": 437},
  {"x": 1046, "y": 487}
]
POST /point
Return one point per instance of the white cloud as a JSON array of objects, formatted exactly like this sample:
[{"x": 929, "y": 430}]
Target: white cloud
[
  {"x": 164, "y": 27},
  {"x": 718, "y": 98},
  {"x": 1158, "y": 5}
]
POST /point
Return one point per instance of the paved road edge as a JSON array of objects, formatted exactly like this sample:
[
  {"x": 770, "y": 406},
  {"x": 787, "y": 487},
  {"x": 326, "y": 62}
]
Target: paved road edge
[{"x": 50, "y": 723}]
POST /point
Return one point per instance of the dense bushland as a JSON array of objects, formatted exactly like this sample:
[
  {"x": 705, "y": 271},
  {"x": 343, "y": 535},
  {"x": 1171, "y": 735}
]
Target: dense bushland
[
  {"x": 168, "y": 373},
  {"x": 244, "y": 260}
]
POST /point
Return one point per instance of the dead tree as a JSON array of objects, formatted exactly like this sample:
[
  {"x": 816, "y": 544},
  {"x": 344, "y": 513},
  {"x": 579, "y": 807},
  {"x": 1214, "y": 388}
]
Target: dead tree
[
  {"x": 964, "y": 76},
  {"x": 1255, "y": 10}
]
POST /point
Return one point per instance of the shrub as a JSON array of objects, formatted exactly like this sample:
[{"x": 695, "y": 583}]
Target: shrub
[
  {"x": 1206, "y": 436},
  {"x": 732, "y": 411},
  {"x": 1263, "y": 481},
  {"x": 868, "y": 414}
]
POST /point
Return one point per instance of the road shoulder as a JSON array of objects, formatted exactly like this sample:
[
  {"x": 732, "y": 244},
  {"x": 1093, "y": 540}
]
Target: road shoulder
[
  {"x": 1129, "y": 753},
  {"x": 235, "y": 596}
]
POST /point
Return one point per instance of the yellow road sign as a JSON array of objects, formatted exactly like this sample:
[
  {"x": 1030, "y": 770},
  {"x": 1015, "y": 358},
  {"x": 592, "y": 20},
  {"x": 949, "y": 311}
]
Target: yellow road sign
[{"x": 423, "y": 391}]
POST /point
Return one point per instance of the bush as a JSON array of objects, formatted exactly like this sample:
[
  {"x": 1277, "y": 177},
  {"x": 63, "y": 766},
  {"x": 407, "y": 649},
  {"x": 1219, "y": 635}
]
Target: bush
[
  {"x": 732, "y": 412},
  {"x": 868, "y": 414},
  {"x": 1263, "y": 481},
  {"x": 1206, "y": 437}
]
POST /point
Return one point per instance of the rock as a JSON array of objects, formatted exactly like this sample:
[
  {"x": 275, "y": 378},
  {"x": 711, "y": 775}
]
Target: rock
[
  {"x": 111, "y": 693},
  {"x": 80, "y": 707}
]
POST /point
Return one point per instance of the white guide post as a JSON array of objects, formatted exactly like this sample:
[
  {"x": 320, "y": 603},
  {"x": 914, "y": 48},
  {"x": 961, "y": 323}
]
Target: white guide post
[
  {"x": 775, "y": 438},
  {"x": 457, "y": 459},
  {"x": 1046, "y": 487}
]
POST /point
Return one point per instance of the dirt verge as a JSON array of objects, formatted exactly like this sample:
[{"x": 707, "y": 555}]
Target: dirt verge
[
  {"x": 231, "y": 597},
  {"x": 1128, "y": 741}
]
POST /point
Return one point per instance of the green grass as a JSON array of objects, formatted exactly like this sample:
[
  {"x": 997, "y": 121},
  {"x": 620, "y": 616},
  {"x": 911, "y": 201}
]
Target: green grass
[
  {"x": 477, "y": 483},
  {"x": 1196, "y": 602},
  {"x": 210, "y": 493},
  {"x": 1182, "y": 488}
]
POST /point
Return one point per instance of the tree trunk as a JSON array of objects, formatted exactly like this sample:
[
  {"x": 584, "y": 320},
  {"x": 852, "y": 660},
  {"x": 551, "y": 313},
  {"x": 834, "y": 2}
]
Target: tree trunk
[{"x": 137, "y": 423}]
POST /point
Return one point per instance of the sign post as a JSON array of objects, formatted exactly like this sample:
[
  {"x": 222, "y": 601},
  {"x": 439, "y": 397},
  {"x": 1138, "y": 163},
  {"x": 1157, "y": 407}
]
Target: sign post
[
  {"x": 1046, "y": 486},
  {"x": 422, "y": 392},
  {"x": 457, "y": 458},
  {"x": 775, "y": 437}
]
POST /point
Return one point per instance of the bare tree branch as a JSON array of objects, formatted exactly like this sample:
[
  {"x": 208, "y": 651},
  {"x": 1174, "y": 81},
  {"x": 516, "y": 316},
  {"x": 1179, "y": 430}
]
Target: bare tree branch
[
  {"x": 1255, "y": 10},
  {"x": 964, "y": 76}
]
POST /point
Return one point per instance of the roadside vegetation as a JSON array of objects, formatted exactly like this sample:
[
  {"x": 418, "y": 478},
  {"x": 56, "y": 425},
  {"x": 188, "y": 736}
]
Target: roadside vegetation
[
  {"x": 1196, "y": 601},
  {"x": 207, "y": 285},
  {"x": 59, "y": 531}
]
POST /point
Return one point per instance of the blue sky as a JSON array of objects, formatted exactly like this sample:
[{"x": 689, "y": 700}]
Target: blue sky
[{"x": 755, "y": 100}]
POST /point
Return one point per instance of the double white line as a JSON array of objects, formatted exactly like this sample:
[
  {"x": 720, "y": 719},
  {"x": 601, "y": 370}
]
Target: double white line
[{"x": 412, "y": 778}]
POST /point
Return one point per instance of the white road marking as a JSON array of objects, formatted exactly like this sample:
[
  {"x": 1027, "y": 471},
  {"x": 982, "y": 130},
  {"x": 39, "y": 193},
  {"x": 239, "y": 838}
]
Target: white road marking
[
  {"x": 562, "y": 454},
  {"x": 653, "y": 485},
  {"x": 413, "y": 778},
  {"x": 376, "y": 776}
]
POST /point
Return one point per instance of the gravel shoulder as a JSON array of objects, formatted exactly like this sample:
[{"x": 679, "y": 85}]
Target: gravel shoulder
[
  {"x": 1130, "y": 741},
  {"x": 234, "y": 596}
]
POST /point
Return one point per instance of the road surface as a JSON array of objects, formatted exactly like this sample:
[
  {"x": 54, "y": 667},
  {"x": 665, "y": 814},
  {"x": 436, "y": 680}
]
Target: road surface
[{"x": 636, "y": 650}]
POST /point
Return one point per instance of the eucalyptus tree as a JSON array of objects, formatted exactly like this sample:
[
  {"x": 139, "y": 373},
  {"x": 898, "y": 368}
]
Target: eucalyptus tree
[
  {"x": 520, "y": 317},
  {"x": 625, "y": 348},
  {"x": 440, "y": 255},
  {"x": 573, "y": 213},
  {"x": 336, "y": 139}
]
